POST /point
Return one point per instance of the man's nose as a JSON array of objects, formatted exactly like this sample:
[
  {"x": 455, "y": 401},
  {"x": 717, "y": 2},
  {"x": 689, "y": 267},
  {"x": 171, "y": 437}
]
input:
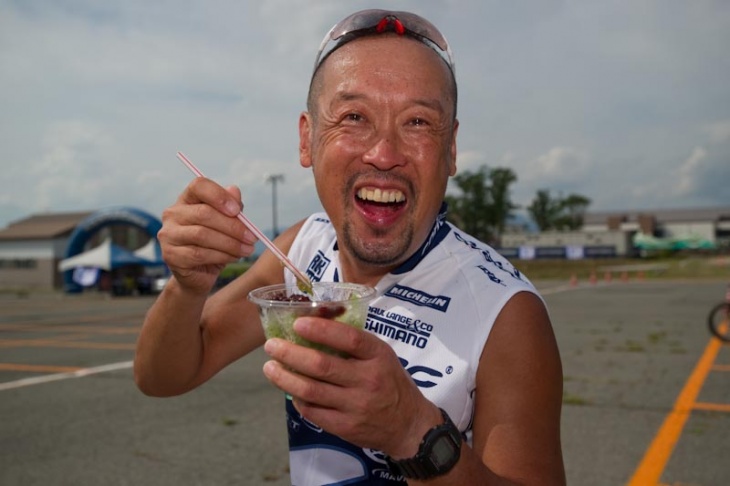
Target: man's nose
[{"x": 385, "y": 151}]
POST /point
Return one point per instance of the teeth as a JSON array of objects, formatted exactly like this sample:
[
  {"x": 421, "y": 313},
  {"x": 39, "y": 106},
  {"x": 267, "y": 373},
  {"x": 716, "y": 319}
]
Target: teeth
[{"x": 378, "y": 195}]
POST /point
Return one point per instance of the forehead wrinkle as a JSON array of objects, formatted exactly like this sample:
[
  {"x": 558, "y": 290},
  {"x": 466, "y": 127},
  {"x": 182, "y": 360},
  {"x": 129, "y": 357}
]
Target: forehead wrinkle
[
  {"x": 430, "y": 103},
  {"x": 346, "y": 61}
]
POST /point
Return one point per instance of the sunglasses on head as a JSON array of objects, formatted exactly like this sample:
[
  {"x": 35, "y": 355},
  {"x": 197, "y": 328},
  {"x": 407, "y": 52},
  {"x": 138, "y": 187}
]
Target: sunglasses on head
[{"x": 371, "y": 22}]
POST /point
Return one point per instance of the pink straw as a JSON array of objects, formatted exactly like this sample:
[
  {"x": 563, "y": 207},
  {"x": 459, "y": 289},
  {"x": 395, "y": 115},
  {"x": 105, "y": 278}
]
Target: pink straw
[{"x": 259, "y": 234}]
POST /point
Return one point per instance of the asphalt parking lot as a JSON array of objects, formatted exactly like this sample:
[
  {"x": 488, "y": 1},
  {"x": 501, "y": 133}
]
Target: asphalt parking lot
[{"x": 646, "y": 401}]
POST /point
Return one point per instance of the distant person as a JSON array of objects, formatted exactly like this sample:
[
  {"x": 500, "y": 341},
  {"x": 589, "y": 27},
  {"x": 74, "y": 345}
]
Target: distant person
[{"x": 475, "y": 397}]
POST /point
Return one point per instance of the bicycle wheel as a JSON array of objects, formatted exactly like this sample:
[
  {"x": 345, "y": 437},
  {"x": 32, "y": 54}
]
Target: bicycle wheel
[{"x": 719, "y": 321}]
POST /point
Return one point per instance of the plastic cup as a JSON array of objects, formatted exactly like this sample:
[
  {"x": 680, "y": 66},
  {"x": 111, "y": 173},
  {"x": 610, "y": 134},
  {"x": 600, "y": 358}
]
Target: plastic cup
[{"x": 280, "y": 305}]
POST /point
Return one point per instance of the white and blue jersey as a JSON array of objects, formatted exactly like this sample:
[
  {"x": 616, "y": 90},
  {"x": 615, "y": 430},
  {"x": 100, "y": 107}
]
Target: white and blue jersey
[{"x": 436, "y": 311}]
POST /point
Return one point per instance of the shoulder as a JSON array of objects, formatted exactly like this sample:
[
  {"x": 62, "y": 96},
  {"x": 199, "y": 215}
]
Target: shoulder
[
  {"x": 311, "y": 230},
  {"x": 519, "y": 393},
  {"x": 317, "y": 224},
  {"x": 480, "y": 266}
]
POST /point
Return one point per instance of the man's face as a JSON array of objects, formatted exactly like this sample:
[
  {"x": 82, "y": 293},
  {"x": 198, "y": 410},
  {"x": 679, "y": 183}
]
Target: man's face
[{"x": 382, "y": 145}]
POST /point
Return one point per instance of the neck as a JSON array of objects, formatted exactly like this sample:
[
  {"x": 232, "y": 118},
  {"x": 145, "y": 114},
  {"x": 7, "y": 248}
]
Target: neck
[{"x": 356, "y": 271}]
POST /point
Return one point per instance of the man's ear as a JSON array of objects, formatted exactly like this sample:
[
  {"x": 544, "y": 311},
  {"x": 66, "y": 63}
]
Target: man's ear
[{"x": 305, "y": 139}]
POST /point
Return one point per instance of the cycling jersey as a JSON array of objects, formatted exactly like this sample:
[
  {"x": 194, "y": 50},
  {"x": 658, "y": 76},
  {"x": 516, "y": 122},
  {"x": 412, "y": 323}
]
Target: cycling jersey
[{"x": 436, "y": 311}]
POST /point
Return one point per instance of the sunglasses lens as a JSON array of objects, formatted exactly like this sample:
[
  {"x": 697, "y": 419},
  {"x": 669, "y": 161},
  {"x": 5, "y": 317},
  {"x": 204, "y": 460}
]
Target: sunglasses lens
[{"x": 376, "y": 21}]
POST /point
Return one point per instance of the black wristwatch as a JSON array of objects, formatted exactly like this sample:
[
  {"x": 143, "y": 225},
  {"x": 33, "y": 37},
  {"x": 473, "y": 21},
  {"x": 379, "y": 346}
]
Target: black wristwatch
[{"x": 438, "y": 453}]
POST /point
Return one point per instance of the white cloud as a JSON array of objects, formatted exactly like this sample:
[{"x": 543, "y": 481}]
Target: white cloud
[
  {"x": 670, "y": 185},
  {"x": 591, "y": 97},
  {"x": 686, "y": 175},
  {"x": 719, "y": 132},
  {"x": 469, "y": 160},
  {"x": 72, "y": 166},
  {"x": 560, "y": 165}
]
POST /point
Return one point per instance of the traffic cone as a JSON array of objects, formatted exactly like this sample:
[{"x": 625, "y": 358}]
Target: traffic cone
[
  {"x": 593, "y": 277},
  {"x": 607, "y": 277},
  {"x": 573, "y": 280}
]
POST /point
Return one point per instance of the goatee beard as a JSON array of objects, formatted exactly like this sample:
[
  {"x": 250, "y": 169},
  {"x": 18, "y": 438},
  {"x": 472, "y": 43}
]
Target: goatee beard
[{"x": 384, "y": 253}]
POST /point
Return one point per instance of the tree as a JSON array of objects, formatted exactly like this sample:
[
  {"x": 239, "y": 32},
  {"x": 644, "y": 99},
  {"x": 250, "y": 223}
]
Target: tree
[
  {"x": 484, "y": 204},
  {"x": 573, "y": 209},
  {"x": 544, "y": 210},
  {"x": 561, "y": 213},
  {"x": 502, "y": 207}
]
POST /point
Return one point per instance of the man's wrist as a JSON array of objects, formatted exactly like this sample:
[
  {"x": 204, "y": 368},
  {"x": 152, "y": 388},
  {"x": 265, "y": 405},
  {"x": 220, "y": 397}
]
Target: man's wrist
[
  {"x": 174, "y": 286},
  {"x": 437, "y": 454},
  {"x": 411, "y": 439}
]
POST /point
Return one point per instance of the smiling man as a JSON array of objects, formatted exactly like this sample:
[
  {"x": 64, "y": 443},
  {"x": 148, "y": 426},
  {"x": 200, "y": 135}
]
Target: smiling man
[
  {"x": 380, "y": 136},
  {"x": 456, "y": 378}
]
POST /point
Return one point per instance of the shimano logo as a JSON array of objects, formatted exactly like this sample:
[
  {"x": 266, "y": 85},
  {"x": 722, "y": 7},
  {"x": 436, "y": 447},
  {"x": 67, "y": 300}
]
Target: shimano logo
[
  {"x": 418, "y": 297},
  {"x": 398, "y": 327}
]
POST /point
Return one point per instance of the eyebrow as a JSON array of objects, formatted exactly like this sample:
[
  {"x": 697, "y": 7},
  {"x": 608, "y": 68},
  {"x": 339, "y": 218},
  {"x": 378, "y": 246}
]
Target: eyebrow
[{"x": 432, "y": 104}]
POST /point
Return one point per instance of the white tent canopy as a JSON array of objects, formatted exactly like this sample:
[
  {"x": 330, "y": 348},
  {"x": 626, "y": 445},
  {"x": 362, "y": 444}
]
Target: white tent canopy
[
  {"x": 106, "y": 256},
  {"x": 149, "y": 251}
]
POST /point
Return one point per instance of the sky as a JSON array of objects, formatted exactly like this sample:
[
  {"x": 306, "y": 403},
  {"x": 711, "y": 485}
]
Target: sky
[{"x": 626, "y": 102}]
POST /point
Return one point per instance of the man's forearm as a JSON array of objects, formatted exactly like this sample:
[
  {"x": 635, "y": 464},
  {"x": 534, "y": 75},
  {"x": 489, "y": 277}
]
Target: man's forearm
[
  {"x": 471, "y": 471},
  {"x": 170, "y": 345}
]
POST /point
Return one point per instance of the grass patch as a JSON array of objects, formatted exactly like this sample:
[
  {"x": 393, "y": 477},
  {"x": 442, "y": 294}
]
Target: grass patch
[
  {"x": 657, "y": 337},
  {"x": 633, "y": 346},
  {"x": 677, "y": 267},
  {"x": 570, "y": 399}
]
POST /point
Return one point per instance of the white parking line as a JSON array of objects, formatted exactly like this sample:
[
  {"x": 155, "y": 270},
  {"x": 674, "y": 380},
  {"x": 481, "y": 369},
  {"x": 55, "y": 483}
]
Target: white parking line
[{"x": 37, "y": 380}]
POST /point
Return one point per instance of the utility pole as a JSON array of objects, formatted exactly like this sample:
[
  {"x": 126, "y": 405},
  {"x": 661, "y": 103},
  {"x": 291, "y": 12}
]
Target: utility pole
[{"x": 274, "y": 178}]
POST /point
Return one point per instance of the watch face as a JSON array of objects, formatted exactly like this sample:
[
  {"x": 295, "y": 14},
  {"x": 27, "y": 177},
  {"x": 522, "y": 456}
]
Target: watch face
[{"x": 443, "y": 451}]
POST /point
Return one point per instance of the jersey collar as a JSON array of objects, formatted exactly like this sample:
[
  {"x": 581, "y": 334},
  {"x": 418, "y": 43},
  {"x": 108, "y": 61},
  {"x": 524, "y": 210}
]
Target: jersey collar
[{"x": 439, "y": 230}]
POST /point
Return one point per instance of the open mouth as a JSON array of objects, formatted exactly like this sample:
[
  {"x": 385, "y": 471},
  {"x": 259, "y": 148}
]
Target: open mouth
[
  {"x": 379, "y": 196},
  {"x": 380, "y": 204}
]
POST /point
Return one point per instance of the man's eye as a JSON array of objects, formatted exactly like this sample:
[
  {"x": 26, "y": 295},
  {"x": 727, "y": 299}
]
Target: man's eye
[
  {"x": 354, "y": 117},
  {"x": 419, "y": 122}
]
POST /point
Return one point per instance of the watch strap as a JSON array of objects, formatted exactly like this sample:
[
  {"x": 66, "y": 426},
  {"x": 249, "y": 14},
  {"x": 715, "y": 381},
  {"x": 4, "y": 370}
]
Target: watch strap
[{"x": 427, "y": 463}]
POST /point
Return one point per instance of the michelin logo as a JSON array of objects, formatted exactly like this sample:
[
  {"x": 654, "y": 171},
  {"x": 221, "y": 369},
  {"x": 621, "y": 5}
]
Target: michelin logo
[{"x": 418, "y": 297}]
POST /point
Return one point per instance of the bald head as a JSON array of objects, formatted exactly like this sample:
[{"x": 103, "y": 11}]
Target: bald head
[{"x": 317, "y": 83}]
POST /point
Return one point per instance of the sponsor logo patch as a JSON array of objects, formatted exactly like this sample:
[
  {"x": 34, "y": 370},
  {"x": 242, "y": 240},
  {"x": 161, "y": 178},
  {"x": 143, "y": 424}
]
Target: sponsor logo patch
[
  {"x": 317, "y": 266},
  {"x": 398, "y": 327},
  {"x": 418, "y": 297}
]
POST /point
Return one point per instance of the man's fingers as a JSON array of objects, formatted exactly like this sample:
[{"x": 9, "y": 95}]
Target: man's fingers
[
  {"x": 303, "y": 387},
  {"x": 343, "y": 337},
  {"x": 189, "y": 256},
  {"x": 235, "y": 192},
  {"x": 203, "y": 190},
  {"x": 309, "y": 362},
  {"x": 204, "y": 216}
]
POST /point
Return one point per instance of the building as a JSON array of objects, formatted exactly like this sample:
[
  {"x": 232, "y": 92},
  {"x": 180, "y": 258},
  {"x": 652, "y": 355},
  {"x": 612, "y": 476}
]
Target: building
[
  {"x": 712, "y": 224},
  {"x": 566, "y": 244},
  {"x": 31, "y": 248},
  {"x": 611, "y": 233}
]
